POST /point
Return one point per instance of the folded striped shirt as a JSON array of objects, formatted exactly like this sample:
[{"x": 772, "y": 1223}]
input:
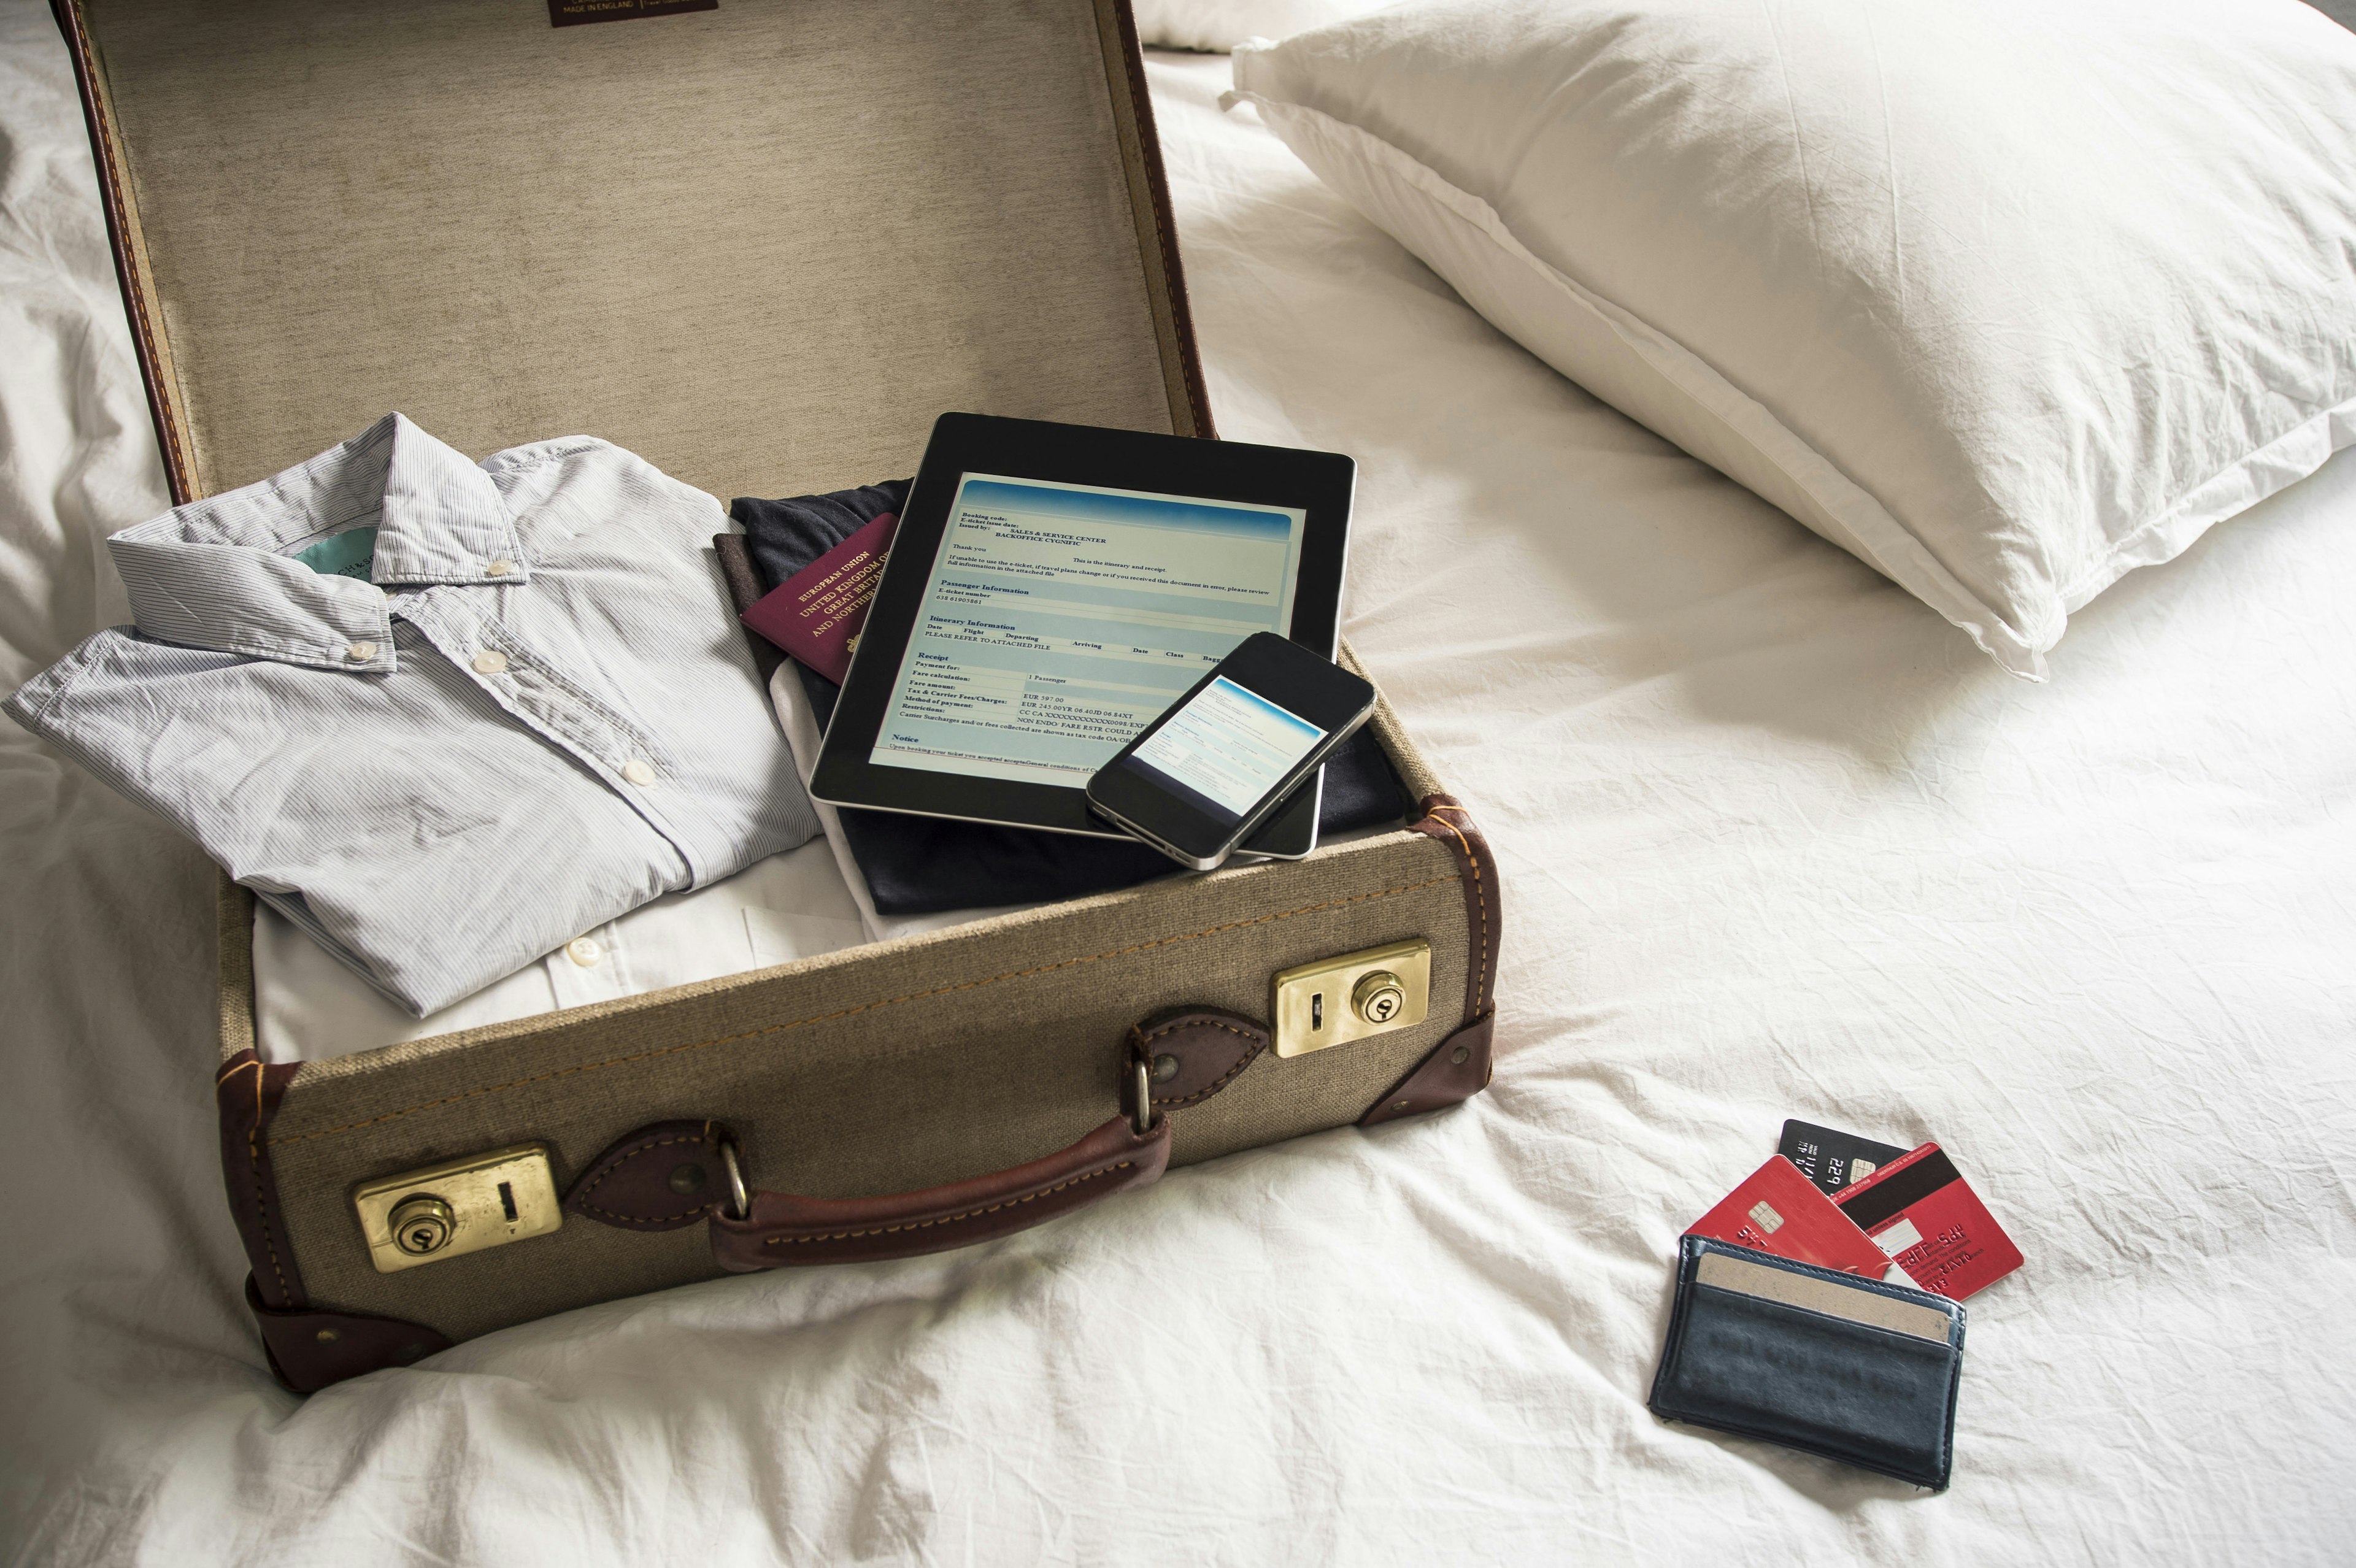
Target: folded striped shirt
[{"x": 521, "y": 708}]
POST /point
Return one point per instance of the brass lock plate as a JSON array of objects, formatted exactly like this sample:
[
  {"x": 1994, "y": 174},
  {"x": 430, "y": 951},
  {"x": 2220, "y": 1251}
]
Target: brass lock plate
[
  {"x": 1335, "y": 1000},
  {"x": 458, "y": 1206}
]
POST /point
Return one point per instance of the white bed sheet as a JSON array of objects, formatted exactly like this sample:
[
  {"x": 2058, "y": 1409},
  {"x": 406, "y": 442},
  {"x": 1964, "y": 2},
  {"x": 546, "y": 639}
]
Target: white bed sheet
[{"x": 1775, "y": 841}]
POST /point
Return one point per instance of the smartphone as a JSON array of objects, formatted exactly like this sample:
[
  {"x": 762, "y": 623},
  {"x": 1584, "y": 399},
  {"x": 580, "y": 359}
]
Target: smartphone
[{"x": 1209, "y": 771}]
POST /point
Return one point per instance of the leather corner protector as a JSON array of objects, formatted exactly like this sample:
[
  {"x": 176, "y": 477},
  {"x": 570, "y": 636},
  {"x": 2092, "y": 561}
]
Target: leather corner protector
[
  {"x": 310, "y": 1348},
  {"x": 662, "y": 1177},
  {"x": 1453, "y": 1072},
  {"x": 1192, "y": 1053}
]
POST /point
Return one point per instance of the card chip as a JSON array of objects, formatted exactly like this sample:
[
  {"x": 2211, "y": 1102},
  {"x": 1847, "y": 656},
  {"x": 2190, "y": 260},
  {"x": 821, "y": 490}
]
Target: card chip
[
  {"x": 1859, "y": 1170},
  {"x": 1765, "y": 1218}
]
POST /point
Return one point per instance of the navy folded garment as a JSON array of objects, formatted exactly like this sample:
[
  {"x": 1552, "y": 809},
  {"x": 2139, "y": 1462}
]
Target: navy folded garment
[
  {"x": 786, "y": 535},
  {"x": 923, "y": 865}
]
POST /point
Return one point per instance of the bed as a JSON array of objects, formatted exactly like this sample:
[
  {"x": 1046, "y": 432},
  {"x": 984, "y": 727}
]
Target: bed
[{"x": 1777, "y": 842}]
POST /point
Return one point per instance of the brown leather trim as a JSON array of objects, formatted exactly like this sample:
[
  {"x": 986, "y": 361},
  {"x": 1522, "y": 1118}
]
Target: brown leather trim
[
  {"x": 1445, "y": 818},
  {"x": 1453, "y": 1070},
  {"x": 1192, "y": 1053},
  {"x": 310, "y": 1348},
  {"x": 786, "y": 1230},
  {"x": 114, "y": 189},
  {"x": 1163, "y": 224},
  {"x": 248, "y": 1091},
  {"x": 660, "y": 1178},
  {"x": 744, "y": 591}
]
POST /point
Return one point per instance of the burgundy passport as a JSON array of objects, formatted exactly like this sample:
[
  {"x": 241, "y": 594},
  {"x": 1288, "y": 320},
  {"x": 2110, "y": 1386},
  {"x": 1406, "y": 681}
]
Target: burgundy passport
[
  {"x": 816, "y": 614},
  {"x": 1921, "y": 1211},
  {"x": 1779, "y": 1211}
]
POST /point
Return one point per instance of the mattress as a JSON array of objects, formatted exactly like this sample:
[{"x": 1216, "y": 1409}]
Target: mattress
[{"x": 1775, "y": 841}]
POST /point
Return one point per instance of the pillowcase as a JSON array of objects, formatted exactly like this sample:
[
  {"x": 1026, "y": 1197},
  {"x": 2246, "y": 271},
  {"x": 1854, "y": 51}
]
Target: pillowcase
[
  {"x": 1217, "y": 25},
  {"x": 2007, "y": 298}
]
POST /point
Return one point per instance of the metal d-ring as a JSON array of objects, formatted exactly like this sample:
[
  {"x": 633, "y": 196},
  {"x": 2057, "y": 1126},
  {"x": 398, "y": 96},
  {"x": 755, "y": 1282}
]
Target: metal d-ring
[
  {"x": 740, "y": 1201},
  {"x": 1144, "y": 1120}
]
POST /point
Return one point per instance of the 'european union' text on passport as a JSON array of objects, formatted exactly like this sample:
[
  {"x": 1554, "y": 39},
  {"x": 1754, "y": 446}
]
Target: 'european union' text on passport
[{"x": 816, "y": 614}]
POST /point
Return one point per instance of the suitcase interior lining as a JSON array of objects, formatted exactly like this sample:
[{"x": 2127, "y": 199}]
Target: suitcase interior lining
[{"x": 760, "y": 246}]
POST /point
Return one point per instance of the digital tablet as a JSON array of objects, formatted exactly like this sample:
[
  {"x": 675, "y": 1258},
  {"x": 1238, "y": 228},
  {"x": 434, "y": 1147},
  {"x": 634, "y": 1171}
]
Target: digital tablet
[{"x": 1051, "y": 589}]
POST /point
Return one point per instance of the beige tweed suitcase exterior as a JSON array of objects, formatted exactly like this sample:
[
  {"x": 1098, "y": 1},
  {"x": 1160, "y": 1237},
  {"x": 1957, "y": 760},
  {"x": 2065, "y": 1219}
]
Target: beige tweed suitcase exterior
[{"x": 762, "y": 245}]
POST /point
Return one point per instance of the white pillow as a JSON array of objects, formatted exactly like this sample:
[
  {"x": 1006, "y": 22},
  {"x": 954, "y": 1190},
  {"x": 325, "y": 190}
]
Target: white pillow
[
  {"x": 2008, "y": 297},
  {"x": 1218, "y": 25}
]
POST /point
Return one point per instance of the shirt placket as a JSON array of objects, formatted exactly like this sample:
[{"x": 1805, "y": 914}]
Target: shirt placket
[{"x": 463, "y": 624}]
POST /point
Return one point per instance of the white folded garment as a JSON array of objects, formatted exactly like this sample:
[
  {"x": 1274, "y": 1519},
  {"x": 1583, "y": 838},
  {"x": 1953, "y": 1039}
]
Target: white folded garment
[
  {"x": 309, "y": 1006},
  {"x": 438, "y": 713}
]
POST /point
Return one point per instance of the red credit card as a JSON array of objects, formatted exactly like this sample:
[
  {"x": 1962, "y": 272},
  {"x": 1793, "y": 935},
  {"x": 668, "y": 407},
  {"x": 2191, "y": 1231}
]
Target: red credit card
[
  {"x": 1921, "y": 1211},
  {"x": 816, "y": 614},
  {"x": 1779, "y": 1211}
]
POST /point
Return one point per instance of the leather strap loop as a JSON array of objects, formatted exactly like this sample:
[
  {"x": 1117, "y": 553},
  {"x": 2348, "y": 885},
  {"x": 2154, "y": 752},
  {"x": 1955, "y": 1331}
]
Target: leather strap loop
[{"x": 785, "y": 1230}]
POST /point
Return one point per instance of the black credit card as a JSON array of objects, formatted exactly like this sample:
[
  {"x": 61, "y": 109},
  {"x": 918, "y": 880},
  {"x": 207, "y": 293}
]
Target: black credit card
[{"x": 1833, "y": 1160}]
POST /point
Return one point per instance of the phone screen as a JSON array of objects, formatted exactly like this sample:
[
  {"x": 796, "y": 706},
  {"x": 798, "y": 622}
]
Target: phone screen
[{"x": 1224, "y": 751}]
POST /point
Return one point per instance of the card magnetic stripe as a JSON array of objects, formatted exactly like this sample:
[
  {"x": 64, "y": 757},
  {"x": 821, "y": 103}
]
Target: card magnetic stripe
[{"x": 1892, "y": 1196}]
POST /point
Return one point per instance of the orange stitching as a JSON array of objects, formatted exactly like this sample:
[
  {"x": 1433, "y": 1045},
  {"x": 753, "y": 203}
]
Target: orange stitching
[
  {"x": 949, "y": 1219},
  {"x": 580, "y": 1199},
  {"x": 1259, "y": 1043},
  {"x": 866, "y": 1006},
  {"x": 621, "y": 1161},
  {"x": 1224, "y": 1079},
  {"x": 261, "y": 1192},
  {"x": 620, "y": 1219},
  {"x": 1194, "y": 1020},
  {"x": 1479, "y": 900}
]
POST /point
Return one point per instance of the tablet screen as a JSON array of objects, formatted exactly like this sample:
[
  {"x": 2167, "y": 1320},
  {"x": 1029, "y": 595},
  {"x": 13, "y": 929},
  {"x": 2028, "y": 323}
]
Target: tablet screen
[{"x": 1060, "y": 620}]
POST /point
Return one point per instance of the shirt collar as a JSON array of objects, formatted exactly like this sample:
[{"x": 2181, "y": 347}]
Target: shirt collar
[{"x": 218, "y": 574}]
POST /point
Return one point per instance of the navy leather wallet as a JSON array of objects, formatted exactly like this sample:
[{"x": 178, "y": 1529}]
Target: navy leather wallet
[{"x": 1830, "y": 1363}]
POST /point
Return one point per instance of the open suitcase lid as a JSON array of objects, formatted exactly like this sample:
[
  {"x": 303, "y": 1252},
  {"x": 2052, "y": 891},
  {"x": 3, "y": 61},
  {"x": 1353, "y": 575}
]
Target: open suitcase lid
[{"x": 762, "y": 245}]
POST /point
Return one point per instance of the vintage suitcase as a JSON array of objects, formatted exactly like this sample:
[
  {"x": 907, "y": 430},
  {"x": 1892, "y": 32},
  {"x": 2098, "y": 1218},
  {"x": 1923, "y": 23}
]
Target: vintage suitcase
[{"x": 762, "y": 245}]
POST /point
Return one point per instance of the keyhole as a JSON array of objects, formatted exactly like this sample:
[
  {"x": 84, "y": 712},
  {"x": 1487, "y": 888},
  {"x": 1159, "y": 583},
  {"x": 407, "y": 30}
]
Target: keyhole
[
  {"x": 1317, "y": 1012},
  {"x": 1379, "y": 997},
  {"x": 420, "y": 1224}
]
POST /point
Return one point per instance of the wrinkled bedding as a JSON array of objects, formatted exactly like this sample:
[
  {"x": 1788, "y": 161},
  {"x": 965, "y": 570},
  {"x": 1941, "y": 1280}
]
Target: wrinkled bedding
[{"x": 1776, "y": 841}]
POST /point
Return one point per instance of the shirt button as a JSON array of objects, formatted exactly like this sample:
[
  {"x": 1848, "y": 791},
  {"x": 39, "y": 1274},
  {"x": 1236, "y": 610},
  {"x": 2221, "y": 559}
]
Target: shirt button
[
  {"x": 585, "y": 951},
  {"x": 490, "y": 661},
  {"x": 638, "y": 771},
  {"x": 499, "y": 568},
  {"x": 360, "y": 653}
]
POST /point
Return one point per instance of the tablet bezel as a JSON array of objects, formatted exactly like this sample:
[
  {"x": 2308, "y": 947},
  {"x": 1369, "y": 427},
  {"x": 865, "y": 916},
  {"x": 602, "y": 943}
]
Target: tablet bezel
[{"x": 1320, "y": 484}]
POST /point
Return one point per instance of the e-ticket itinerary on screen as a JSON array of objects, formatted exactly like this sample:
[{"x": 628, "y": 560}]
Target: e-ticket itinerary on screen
[{"x": 1060, "y": 620}]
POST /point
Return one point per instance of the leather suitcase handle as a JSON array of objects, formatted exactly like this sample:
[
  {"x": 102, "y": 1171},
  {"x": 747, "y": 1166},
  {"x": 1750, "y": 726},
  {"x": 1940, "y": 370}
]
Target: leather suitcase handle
[{"x": 783, "y": 1231}]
